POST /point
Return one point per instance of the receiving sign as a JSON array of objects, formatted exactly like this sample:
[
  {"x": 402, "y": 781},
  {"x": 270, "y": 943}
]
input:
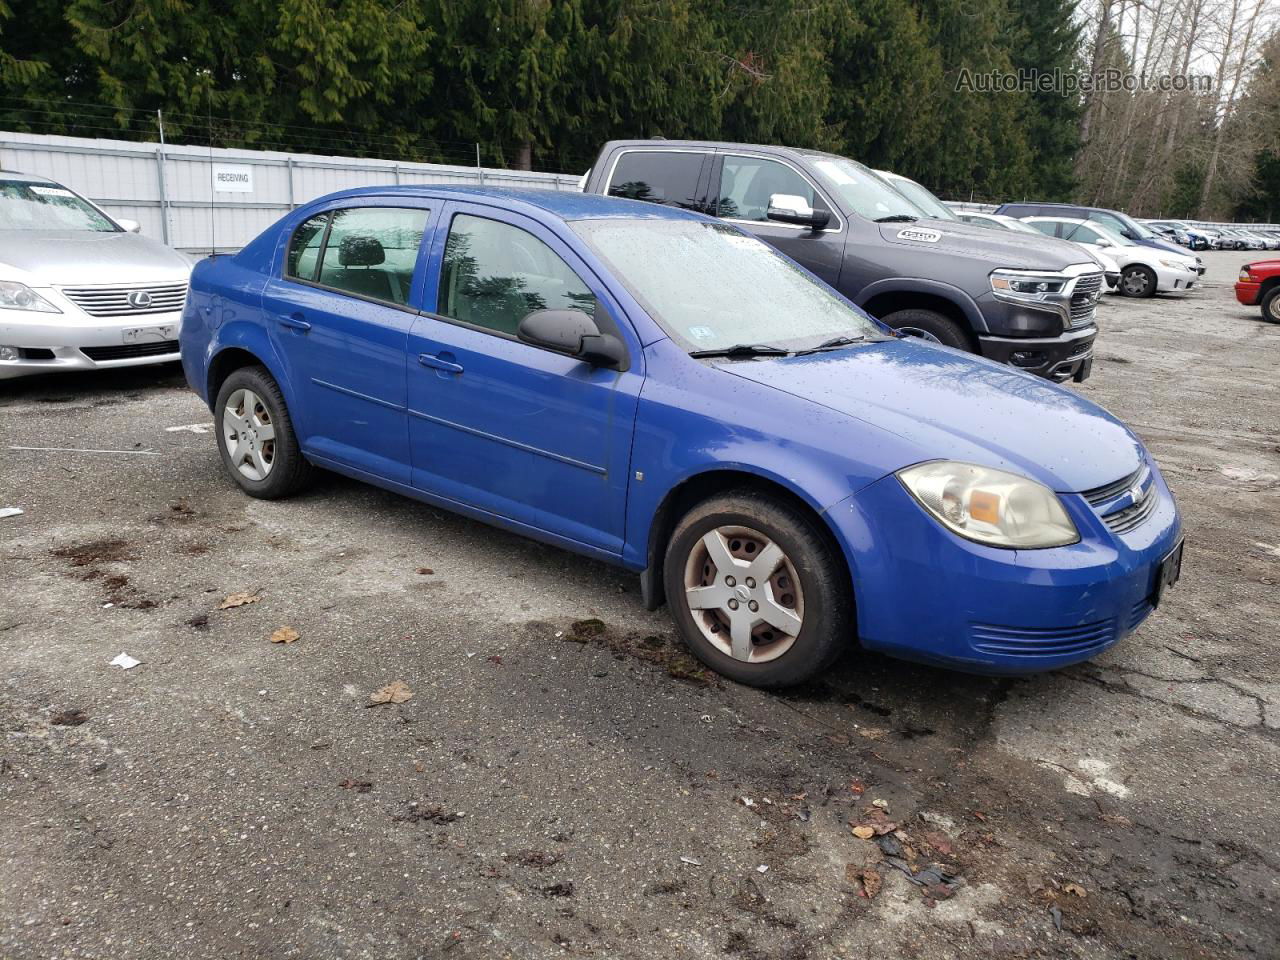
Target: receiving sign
[{"x": 233, "y": 178}]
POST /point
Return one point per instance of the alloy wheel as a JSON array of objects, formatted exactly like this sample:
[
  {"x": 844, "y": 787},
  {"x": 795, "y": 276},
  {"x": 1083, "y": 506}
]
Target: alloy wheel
[
  {"x": 249, "y": 434},
  {"x": 744, "y": 594}
]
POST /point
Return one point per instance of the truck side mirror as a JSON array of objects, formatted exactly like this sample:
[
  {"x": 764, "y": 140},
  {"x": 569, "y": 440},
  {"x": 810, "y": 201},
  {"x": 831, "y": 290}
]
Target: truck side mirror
[{"x": 788, "y": 208}]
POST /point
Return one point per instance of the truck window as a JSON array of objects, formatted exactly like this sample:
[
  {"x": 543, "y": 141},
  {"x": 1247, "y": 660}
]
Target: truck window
[
  {"x": 666, "y": 177},
  {"x": 747, "y": 183}
]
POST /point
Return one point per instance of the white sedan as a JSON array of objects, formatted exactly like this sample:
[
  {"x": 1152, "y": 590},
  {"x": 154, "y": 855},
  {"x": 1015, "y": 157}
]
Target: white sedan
[
  {"x": 79, "y": 290},
  {"x": 1144, "y": 271}
]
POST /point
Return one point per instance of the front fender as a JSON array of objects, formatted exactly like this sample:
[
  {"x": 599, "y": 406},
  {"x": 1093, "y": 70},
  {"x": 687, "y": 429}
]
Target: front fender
[{"x": 935, "y": 288}]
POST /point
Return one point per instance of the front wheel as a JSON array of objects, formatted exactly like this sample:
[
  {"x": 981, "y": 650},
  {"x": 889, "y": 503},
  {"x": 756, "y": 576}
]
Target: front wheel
[
  {"x": 758, "y": 590},
  {"x": 1271, "y": 305},
  {"x": 255, "y": 436},
  {"x": 1138, "y": 281},
  {"x": 930, "y": 325}
]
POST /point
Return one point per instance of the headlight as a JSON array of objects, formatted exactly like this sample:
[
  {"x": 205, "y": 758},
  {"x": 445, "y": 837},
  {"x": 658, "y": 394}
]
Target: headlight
[
  {"x": 1176, "y": 264},
  {"x": 1245, "y": 275},
  {"x": 990, "y": 506},
  {"x": 1024, "y": 284},
  {"x": 18, "y": 296}
]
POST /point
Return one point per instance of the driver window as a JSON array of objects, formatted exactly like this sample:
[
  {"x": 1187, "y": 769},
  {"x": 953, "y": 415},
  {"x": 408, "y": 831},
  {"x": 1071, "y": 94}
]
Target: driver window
[
  {"x": 747, "y": 183},
  {"x": 1082, "y": 234},
  {"x": 494, "y": 275}
]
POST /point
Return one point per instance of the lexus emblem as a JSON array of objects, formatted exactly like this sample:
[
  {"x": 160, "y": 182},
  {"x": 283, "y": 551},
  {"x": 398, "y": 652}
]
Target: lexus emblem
[{"x": 139, "y": 299}]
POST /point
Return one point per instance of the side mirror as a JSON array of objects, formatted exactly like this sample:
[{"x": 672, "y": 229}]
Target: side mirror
[
  {"x": 1102, "y": 242},
  {"x": 130, "y": 226},
  {"x": 788, "y": 208},
  {"x": 574, "y": 333}
]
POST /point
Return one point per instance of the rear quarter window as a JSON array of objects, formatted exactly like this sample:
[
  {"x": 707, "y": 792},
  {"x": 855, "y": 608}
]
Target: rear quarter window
[{"x": 668, "y": 177}]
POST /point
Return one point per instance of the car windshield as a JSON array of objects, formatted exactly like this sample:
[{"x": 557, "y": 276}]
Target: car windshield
[
  {"x": 1139, "y": 229},
  {"x": 47, "y": 206},
  {"x": 712, "y": 287},
  {"x": 1012, "y": 223},
  {"x": 864, "y": 191},
  {"x": 1107, "y": 233},
  {"x": 922, "y": 198}
]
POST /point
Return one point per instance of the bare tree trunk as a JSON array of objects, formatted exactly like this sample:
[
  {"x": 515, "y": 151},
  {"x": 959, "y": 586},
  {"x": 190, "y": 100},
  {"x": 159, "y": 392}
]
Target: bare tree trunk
[
  {"x": 1095, "y": 64},
  {"x": 1211, "y": 172},
  {"x": 524, "y": 156}
]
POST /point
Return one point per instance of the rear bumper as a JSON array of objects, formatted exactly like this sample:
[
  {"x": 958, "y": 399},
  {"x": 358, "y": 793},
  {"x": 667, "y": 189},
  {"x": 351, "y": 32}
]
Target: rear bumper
[
  {"x": 1061, "y": 358},
  {"x": 925, "y": 594},
  {"x": 58, "y": 343},
  {"x": 1248, "y": 293}
]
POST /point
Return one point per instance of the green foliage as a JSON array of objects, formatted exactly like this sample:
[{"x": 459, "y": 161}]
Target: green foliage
[{"x": 545, "y": 82}]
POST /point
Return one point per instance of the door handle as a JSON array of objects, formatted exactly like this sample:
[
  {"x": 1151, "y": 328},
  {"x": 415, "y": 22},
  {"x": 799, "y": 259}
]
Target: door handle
[
  {"x": 438, "y": 363},
  {"x": 295, "y": 322}
]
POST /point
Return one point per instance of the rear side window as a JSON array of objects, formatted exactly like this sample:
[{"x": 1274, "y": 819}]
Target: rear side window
[
  {"x": 1047, "y": 227},
  {"x": 747, "y": 183},
  {"x": 371, "y": 252},
  {"x": 304, "y": 248},
  {"x": 660, "y": 177},
  {"x": 494, "y": 275},
  {"x": 1079, "y": 233}
]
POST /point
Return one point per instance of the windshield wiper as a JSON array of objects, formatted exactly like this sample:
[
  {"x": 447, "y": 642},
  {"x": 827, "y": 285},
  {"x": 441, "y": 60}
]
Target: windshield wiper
[
  {"x": 744, "y": 350},
  {"x": 831, "y": 344},
  {"x": 898, "y": 218}
]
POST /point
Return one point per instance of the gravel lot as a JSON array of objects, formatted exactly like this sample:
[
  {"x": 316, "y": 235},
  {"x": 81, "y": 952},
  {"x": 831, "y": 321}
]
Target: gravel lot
[{"x": 555, "y": 790}]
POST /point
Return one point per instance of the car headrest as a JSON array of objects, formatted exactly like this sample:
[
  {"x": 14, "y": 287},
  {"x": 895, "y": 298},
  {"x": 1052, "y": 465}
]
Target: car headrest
[{"x": 357, "y": 251}]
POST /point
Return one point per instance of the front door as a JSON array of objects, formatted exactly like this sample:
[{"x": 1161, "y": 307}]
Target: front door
[
  {"x": 341, "y": 316},
  {"x": 741, "y": 188},
  {"x": 516, "y": 430}
]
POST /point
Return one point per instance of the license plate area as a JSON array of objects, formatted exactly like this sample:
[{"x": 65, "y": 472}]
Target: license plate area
[
  {"x": 1168, "y": 572},
  {"x": 154, "y": 334}
]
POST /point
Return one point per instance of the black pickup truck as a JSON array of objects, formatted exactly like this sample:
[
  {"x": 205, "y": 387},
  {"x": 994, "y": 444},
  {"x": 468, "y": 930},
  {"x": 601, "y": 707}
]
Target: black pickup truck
[{"x": 1017, "y": 299}]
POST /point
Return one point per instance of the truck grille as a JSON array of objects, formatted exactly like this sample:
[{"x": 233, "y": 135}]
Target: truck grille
[
  {"x": 1084, "y": 299},
  {"x": 127, "y": 301}
]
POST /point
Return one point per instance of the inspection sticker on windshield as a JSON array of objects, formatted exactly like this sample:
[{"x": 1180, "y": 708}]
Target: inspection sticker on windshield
[
  {"x": 920, "y": 235},
  {"x": 701, "y": 333}
]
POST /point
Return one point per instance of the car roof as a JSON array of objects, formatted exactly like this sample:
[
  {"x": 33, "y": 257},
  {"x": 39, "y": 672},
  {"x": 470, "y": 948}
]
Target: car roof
[
  {"x": 27, "y": 177},
  {"x": 1059, "y": 219},
  {"x": 565, "y": 204},
  {"x": 661, "y": 144}
]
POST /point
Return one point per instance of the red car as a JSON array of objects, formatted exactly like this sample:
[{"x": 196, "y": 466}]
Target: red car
[{"x": 1259, "y": 283}]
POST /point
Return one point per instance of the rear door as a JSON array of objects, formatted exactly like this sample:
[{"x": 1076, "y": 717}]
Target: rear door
[
  {"x": 513, "y": 429},
  {"x": 742, "y": 184},
  {"x": 340, "y": 312}
]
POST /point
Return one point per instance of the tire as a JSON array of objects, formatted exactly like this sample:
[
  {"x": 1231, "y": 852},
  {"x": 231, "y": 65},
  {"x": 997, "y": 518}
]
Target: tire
[
  {"x": 1137, "y": 281},
  {"x": 1271, "y": 305},
  {"x": 271, "y": 451},
  {"x": 809, "y": 576},
  {"x": 930, "y": 325}
]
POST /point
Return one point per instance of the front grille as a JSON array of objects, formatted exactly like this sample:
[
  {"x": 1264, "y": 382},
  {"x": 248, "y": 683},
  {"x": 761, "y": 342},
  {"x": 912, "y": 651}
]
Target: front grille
[
  {"x": 1042, "y": 641},
  {"x": 130, "y": 350},
  {"x": 1122, "y": 521},
  {"x": 35, "y": 353},
  {"x": 1109, "y": 491},
  {"x": 127, "y": 301},
  {"x": 1084, "y": 299},
  {"x": 1141, "y": 610}
]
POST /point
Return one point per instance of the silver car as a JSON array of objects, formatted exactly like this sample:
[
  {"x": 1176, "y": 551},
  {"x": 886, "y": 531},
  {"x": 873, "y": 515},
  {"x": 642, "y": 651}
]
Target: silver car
[{"x": 79, "y": 290}]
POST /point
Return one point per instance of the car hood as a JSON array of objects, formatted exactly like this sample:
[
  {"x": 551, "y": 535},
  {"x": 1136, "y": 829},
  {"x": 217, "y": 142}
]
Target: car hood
[
  {"x": 999, "y": 248},
  {"x": 74, "y": 257},
  {"x": 952, "y": 406}
]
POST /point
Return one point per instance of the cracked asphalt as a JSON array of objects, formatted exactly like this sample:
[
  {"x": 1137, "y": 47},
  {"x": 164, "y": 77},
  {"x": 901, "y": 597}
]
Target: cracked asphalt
[{"x": 564, "y": 781}]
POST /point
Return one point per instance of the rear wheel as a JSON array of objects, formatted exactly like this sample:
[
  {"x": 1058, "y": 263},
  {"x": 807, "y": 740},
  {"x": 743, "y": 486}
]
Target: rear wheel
[
  {"x": 1271, "y": 305},
  {"x": 255, "y": 436},
  {"x": 757, "y": 590},
  {"x": 1138, "y": 281},
  {"x": 930, "y": 325}
]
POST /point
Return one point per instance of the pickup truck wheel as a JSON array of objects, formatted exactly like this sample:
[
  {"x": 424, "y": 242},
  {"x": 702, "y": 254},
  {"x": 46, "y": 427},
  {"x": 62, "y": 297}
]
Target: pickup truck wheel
[
  {"x": 1271, "y": 305},
  {"x": 757, "y": 590},
  {"x": 255, "y": 436},
  {"x": 1138, "y": 281},
  {"x": 930, "y": 325}
]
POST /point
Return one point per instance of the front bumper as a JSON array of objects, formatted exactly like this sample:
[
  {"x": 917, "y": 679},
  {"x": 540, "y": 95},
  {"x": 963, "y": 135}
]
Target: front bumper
[
  {"x": 1067, "y": 357},
  {"x": 74, "y": 340},
  {"x": 1175, "y": 278},
  {"x": 925, "y": 594},
  {"x": 1248, "y": 292}
]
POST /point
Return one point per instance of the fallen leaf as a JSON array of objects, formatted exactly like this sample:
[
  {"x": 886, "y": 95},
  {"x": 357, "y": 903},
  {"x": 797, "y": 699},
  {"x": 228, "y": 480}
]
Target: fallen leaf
[
  {"x": 939, "y": 841},
  {"x": 870, "y": 883},
  {"x": 882, "y": 804},
  {"x": 980, "y": 815},
  {"x": 425, "y": 571},
  {"x": 495, "y": 659},
  {"x": 285, "y": 635},
  {"x": 873, "y": 733},
  {"x": 1117, "y": 819},
  {"x": 863, "y": 832},
  {"x": 395, "y": 692},
  {"x": 238, "y": 600},
  {"x": 359, "y": 786},
  {"x": 1074, "y": 888},
  {"x": 856, "y": 787}
]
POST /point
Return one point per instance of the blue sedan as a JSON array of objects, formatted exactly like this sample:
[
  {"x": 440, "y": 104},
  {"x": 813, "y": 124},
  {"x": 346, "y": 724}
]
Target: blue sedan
[{"x": 659, "y": 390}]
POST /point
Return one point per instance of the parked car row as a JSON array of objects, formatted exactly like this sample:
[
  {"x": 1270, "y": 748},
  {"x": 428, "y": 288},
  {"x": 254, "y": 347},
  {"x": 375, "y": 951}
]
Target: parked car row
[{"x": 1199, "y": 237}]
